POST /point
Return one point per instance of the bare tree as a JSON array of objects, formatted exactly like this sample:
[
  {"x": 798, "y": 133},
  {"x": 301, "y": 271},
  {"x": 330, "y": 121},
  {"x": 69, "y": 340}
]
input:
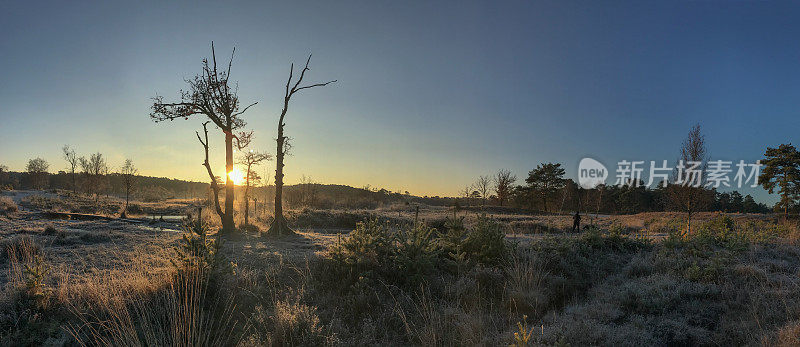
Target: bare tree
[
  {"x": 128, "y": 173},
  {"x": 95, "y": 170},
  {"x": 503, "y": 185},
  {"x": 466, "y": 193},
  {"x": 249, "y": 160},
  {"x": 308, "y": 191},
  {"x": 483, "y": 185},
  {"x": 211, "y": 96},
  {"x": 279, "y": 225},
  {"x": 37, "y": 170},
  {"x": 688, "y": 193},
  {"x": 72, "y": 164}
]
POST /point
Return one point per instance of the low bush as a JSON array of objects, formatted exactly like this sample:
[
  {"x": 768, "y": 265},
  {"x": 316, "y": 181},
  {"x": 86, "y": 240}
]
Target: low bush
[
  {"x": 154, "y": 194},
  {"x": 199, "y": 252},
  {"x": 50, "y": 230},
  {"x": 7, "y": 206},
  {"x": 405, "y": 255},
  {"x": 308, "y": 218}
]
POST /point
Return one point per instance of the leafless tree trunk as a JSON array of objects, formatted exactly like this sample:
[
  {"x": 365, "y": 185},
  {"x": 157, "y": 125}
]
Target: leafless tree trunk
[
  {"x": 465, "y": 193},
  {"x": 214, "y": 186},
  {"x": 249, "y": 160},
  {"x": 503, "y": 183},
  {"x": 95, "y": 170},
  {"x": 72, "y": 164},
  {"x": 279, "y": 225},
  {"x": 210, "y": 95},
  {"x": 128, "y": 173},
  {"x": 684, "y": 195},
  {"x": 483, "y": 185}
]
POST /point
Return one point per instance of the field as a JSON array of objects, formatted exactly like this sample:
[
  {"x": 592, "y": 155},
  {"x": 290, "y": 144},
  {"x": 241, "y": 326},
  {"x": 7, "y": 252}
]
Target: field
[{"x": 394, "y": 275}]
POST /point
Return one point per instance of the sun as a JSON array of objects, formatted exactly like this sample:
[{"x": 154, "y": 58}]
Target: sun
[{"x": 236, "y": 176}]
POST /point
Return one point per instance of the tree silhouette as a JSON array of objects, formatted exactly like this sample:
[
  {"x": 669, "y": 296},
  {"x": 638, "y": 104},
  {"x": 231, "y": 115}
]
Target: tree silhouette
[
  {"x": 249, "y": 160},
  {"x": 279, "y": 225},
  {"x": 94, "y": 169},
  {"x": 782, "y": 173},
  {"x": 210, "y": 95},
  {"x": 128, "y": 173},
  {"x": 546, "y": 180},
  {"x": 37, "y": 169},
  {"x": 684, "y": 195},
  {"x": 483, "y": 185},
  {"x": 72, "y": 164},
  {"x": 503, "y": 185}
]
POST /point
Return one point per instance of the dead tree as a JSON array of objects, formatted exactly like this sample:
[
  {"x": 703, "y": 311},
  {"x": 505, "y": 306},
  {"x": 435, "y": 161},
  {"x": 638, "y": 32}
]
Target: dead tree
[
  {"x": 279, "y": 226},
  {"x": 249, "y": 160},
  {"x": 214, "y": 179},
  {"x": 210, "y": 95}
]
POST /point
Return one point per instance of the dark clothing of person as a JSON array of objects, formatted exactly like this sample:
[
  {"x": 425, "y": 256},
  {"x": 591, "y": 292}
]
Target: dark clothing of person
[{"x": 576, "y": 222}]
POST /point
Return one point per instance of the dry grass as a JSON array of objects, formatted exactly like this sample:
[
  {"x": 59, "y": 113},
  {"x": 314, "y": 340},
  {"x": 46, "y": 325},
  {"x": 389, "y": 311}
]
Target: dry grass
[
  {"x": 732, "y": 282},
  {"x": 7, "y": 206}
]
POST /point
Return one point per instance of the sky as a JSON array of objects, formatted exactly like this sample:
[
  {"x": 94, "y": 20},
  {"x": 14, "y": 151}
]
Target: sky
[{"x": 429, "y": 95}]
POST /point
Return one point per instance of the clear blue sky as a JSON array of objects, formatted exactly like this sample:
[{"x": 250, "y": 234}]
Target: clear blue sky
[{"x": 430, "y": 95}]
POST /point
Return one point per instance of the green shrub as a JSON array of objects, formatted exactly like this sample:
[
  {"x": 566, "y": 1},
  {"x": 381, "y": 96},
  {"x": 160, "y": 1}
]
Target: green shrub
[
  {"x": 416, "y": 254},
  {"x": 594, "y": 238},
  {"x": 406, "y": 255},
  {"x": 35, "y": 287},
  {"x": 724, "y": 231},
  {"x": 486, "y": 243},
  {"x": 200, "y": 253},
  {"x": 369, "y": 249}
]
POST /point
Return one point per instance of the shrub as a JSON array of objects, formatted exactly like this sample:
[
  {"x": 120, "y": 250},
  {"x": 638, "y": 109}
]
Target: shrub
[
  {"x": 7, "y": 206},
  {"x": 50, "y": 230},
  {"x": 35, "y": 288},
  {"x": 451, "y": 243},
  {"x": 405, "y": 255},
  {"x": 595, "y": 238},
  {"x": 416, "y": 254},
  {"x": 154, "y": 194},
  {"x": 486, "y": 243},
  {"x": 199, "y": 253},
  {"x": 724, "y": 231},
  {"x": 292, "y": 324},
  {"x": 370, "y": 248}
]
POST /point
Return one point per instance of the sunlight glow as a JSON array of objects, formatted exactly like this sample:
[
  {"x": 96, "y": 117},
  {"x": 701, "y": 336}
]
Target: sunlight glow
[{"x": 237, "y": 176}]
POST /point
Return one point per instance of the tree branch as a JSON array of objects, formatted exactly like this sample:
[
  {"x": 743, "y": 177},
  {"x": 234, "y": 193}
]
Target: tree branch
[{"x": 214, "y": 187}]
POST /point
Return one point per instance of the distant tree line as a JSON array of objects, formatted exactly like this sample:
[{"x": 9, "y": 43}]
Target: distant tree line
[
  {"x": 547, "y": 191},
  {"x": 93, "y": 176}
]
